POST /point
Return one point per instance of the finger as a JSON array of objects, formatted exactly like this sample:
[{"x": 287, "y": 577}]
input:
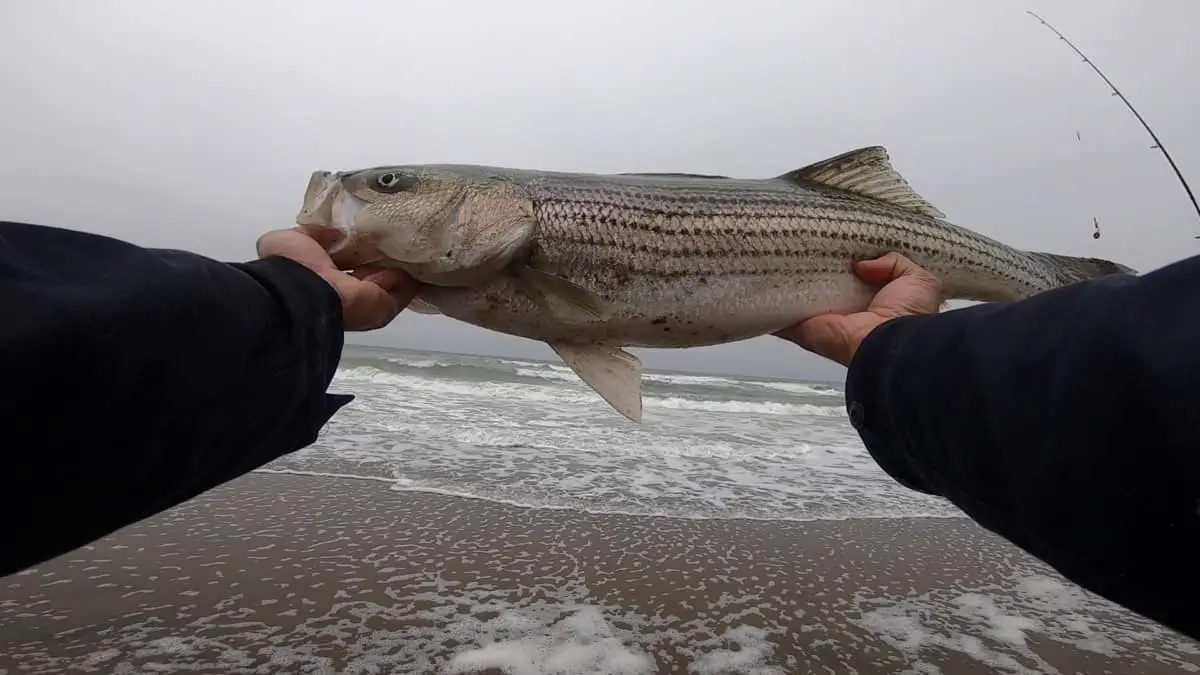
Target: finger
[
  {"x": 356, "y": 253},
  {"x": 366, "y": 272},
  {"x": 326, "y": 237},
  {"x": 349, "y": 254},
  {"x": 825, "y": 335},
  {"x": 887, "y": 268},
  {"x": 913, "y": 292},
  {"x": 373, "y": 307},
  {"x": 386, "y": 278},
  {"x": 268, "y": 242},
  {"x": 395, "y": 282},
  {"x": 295, "y": 245},
  {"x": 405, "y": 291}
]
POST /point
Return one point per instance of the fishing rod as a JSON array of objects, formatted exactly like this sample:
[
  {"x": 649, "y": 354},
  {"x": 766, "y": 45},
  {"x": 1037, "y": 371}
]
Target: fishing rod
[{"x": 1158, "y": 145}]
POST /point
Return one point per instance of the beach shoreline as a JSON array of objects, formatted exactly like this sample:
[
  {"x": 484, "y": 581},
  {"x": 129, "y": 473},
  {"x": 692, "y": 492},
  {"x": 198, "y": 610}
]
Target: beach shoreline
[{"x": 287, "y": 573}]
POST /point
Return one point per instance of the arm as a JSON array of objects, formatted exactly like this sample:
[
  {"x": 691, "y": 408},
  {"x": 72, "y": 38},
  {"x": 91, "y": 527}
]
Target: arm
[
  {"x": 1069, "y": 423},
  {"x": 135, "y": 379}
]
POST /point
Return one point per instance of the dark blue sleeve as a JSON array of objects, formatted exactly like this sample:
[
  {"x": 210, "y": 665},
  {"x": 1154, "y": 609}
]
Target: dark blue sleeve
[
  {"x": 134, "y": 379},
  {"x": 1068, "y": 423}
]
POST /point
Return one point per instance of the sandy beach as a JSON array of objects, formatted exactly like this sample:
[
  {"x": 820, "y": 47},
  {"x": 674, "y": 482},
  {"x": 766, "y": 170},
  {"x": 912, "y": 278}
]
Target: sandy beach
[{"x": 278, "y": 573}]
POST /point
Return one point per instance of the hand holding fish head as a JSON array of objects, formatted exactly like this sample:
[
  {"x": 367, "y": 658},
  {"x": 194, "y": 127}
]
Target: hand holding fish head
[{"x": 440, "y": 226}]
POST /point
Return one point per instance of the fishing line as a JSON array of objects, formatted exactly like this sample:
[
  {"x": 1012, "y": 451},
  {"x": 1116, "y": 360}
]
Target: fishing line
[{"x": 1158, "y": 145}]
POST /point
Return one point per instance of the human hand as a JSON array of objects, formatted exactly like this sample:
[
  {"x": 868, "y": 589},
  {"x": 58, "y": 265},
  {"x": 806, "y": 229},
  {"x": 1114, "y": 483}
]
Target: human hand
[
  {"x": 371, "y": 295},
  {"x": 905, "y": 289}
]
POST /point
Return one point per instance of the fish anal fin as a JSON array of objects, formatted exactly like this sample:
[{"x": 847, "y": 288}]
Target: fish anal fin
[
  {"x": 562, "y": 296},
  {"x": 612, "y": 372},
  {"x": 866, "y": 172}
]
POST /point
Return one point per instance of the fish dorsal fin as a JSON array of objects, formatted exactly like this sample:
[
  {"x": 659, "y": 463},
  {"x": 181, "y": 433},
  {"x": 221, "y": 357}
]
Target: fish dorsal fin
[
  {"x": 650, "y": 174},
  {"x": 866, "y": 172},
  {"x": 610, "y": 371}
]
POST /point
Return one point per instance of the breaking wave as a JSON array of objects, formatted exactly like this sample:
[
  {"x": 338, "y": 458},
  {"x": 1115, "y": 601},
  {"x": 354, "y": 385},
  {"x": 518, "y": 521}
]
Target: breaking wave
[{"x": 551, "y": 384}]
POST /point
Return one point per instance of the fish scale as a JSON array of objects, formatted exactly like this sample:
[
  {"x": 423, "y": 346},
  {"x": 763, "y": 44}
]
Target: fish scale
[
  {"x": 745, "y": 204},
  {"x": 802, "y": 232},
  {"x": 591, "y": 264}
]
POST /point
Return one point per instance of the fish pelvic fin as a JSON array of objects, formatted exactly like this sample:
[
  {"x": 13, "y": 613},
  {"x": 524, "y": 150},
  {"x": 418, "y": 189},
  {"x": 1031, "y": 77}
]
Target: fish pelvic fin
[
  {"x": 1070, "y": 269},
  {"x": 610, "y": 371},
  {"x": 866, "y": 172}
]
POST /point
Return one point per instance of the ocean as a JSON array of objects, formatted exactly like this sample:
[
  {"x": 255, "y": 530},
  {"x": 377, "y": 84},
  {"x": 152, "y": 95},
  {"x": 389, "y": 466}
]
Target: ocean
[
  {"x": 468, "y": 515},
  {"x": 530, "y": 433}
]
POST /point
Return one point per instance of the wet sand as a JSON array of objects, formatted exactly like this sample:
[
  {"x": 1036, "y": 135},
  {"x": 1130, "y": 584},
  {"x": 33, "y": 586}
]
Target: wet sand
[{"x": 301, "y": 574}]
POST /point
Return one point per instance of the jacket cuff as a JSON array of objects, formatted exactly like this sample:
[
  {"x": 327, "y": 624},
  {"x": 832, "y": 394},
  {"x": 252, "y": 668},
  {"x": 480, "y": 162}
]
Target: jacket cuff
[
  {"x": 312, "y": 307},
  {"x": 874, "y": 383}
]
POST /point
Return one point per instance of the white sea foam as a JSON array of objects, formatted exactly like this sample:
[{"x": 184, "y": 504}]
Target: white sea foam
[
  {"x": 558, "y": 374},
  {"x": 549, "y": 502},
  {"x": 752, "y": 407},
  {"x": 993, "y": 625},
  {"x": 564, "y": 374},
  {"x": 572, "y": 395},
  {"x": 551, "y": 442},
  {"x": 418, "y": 363},
  {"x": 802, "y": 388},
  {"x": 582, "y": 643}
]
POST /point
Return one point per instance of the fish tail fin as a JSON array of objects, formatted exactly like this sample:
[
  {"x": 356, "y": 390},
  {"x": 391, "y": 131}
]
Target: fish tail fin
[{"x": 1070, "y": 269}]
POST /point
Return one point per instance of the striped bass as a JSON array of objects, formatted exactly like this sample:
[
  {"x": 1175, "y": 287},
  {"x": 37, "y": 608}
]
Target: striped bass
[{"x": 591, "y": 264}]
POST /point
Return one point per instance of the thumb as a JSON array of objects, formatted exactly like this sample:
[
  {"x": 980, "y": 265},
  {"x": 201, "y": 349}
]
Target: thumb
[
  {"x": 387, "y": 278},
  {"x": 904, "y": 288},
  {"x": 393, "y": 282},
  {"x": 887, "y": 268}
]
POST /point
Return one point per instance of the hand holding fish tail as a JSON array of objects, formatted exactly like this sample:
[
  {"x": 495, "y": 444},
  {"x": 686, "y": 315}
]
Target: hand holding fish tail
[
  {"x": 905, "y": 290},
  {"x": 371, "y": 295}
]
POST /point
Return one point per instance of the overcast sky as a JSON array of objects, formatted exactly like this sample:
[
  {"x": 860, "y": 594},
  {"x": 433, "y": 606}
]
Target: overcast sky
[{"x": 196, "y": 125}]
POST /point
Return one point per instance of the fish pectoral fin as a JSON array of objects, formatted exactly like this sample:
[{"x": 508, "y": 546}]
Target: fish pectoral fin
[
  {"x": 422, "y": 307},
  {"x": 564, "y": 297},
  {"x": 866, "y": 172},
  {"x": 612, "y": 372}
]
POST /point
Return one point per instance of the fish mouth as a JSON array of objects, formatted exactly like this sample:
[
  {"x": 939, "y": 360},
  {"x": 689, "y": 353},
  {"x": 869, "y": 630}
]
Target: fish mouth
[
  {"x": 317, "y": 208},
  {"x": 329, "y": 206}
]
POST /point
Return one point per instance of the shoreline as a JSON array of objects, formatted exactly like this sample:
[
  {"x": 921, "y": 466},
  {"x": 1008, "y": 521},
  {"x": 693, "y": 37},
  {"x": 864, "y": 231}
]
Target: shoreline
[
  {"x": 288, "y": 573},
  {"x": 836, "y": 382},
  {"x": 593, "y": 512}
]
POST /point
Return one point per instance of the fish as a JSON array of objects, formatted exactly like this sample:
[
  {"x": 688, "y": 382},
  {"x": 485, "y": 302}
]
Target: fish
[{"x": 595, "y": 264}]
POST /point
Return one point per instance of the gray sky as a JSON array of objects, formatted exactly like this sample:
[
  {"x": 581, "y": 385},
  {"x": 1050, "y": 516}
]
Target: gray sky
[{"x": 196, "y": 125}]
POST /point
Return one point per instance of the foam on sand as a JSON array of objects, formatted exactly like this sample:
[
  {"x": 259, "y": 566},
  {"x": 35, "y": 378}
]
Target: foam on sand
[
  {"x": 306, "y": 574},
  {"x": 581, "y": 643}
]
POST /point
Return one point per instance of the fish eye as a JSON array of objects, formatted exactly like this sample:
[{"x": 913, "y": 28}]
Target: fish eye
[{"x": 393, "y": 181}]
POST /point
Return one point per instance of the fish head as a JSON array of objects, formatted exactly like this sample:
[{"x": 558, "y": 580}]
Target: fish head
[
  {"x": 443, "y": 226},
  {"x": 384, "y": 203}
]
